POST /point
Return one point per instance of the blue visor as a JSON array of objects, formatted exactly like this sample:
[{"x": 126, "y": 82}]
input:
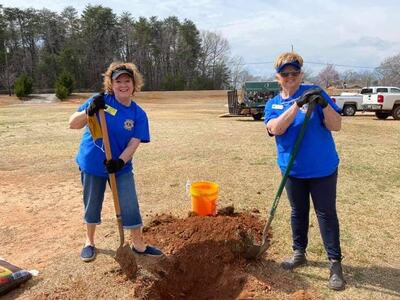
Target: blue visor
[{"x": 294, "y": 63}]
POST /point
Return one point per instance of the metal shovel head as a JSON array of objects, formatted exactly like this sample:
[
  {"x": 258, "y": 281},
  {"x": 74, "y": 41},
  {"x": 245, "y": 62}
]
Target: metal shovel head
[
  {"x": 126, "y": 259},
  {"x": 255, "y": 251},
  {"x": 252, "y": 252}
]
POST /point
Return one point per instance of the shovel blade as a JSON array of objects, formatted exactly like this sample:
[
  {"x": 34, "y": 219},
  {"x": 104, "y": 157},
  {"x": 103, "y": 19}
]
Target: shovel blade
[
  {"x": 126, "y": 259},
  {"x": 255, "y": 251},
  {"x": 252, "y": 252}
]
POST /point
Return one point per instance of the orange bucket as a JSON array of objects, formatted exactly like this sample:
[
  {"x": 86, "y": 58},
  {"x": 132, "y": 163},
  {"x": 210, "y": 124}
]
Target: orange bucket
[{"x": 204, "y": 196}]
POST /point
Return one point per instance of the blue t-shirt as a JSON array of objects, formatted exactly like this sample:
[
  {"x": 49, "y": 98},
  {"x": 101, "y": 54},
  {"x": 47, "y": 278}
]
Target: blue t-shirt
[
  {"x": 317, "y": 156},
  {"x": 123, "y": 124}
]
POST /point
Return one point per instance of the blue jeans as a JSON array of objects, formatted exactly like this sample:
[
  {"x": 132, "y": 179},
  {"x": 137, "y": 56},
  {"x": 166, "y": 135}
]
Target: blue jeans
[
  {"x": 93, "y": 196},
  {"x": 323, "y": 194}
]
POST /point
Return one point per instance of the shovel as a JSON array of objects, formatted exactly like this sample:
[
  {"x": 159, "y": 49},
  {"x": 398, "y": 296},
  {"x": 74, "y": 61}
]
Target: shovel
[
  {"x": 124, "y": 256},
  {"x": 255, "y": 251}
]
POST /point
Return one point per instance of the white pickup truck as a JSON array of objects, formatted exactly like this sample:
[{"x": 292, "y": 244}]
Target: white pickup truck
[
  {"x": 349, "y": 103},
  {"x": 385, "y": 102}
]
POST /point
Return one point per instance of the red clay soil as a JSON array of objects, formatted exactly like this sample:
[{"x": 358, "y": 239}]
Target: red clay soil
[
  {"x": 301, "y": 295},
  {"x": 204, "y": 256}
]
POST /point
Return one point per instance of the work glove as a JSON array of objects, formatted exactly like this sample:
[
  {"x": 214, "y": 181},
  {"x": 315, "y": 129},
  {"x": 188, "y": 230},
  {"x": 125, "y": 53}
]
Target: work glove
[
  {"x": 96, "y": 104},
  {"x": 114, "y": 165},
  {"x": 309, "y": 95},
  {"x": 322, "y": 101}
]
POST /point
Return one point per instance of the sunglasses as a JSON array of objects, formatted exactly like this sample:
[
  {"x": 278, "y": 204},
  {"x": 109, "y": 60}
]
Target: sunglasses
[{"x": 292, "y": 74}]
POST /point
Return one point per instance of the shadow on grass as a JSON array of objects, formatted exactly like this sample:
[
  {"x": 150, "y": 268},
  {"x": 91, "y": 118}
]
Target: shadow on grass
[
  {"x": 382, "y": 280},
  {"x": 249, "y": 120},
  {"x": 108, "y": 252},
  {"x": 271, "y": 273}
]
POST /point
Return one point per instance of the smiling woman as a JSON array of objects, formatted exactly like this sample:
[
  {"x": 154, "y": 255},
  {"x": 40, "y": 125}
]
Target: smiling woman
[
  {"x": 128, "y": 127},
  {"x": 314, "y": 169},
  {"x": 118, "y": 68}
]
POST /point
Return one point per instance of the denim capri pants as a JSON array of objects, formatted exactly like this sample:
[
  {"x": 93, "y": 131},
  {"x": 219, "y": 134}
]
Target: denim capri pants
[{"x": 93, "y": 196}]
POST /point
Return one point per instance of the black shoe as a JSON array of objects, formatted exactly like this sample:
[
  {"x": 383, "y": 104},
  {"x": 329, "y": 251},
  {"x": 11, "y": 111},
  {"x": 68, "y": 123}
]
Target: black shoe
[
  {"x": 298, "y": 259},
  {"x": 336, "y": 280}
]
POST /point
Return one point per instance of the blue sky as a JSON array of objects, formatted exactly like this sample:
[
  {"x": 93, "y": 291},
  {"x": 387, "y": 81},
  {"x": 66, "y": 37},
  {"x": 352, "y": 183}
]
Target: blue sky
[{"x": 343, "y": 33}]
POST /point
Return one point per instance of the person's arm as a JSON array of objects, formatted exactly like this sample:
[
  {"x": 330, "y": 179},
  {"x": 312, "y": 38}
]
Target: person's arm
[
  {"x": 77, "y": 120},
  {"x": 332, "y": 119},
  {"x": 127, "y": 154},
  {"x": 279, "y": 125},
  {"x": 114, "y": 165}
]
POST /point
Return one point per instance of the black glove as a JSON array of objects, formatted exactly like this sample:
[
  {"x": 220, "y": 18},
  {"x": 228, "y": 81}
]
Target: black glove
[
  {"x": 307, "y": 96},
  {"x": 114, "y": 165},
  {"x": 96, "y": 104},
  {"x": 322, "y": 101}
]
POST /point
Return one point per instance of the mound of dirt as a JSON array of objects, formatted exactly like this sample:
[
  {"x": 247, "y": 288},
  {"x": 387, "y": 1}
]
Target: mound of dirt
[
  {"x": 204, "y": 259},
  {"x": 204, "y": 256}
]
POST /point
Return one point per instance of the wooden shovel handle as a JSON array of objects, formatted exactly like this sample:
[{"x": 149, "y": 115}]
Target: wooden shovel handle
[{"x": 113, "y": 182}]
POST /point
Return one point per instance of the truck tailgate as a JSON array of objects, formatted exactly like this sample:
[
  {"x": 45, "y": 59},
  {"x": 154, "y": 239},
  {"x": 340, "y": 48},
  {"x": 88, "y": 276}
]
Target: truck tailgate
[
  {"x": 370, "y": 99},
  {"x": 370, "y": 102}
]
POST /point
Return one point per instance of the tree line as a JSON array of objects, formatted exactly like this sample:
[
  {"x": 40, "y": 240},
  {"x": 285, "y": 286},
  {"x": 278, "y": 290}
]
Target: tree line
[
  {"x": 45, "y": 49},
  {"x": 387, "y": 73},
  {"x": 171, "y": 54}
]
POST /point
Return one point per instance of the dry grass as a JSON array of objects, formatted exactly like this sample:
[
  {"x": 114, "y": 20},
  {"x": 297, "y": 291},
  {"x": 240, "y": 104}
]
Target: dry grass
[{"x": 40, "y": 196}]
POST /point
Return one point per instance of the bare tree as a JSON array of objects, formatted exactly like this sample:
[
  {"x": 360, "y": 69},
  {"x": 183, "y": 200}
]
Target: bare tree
[
  {"x": 328, "y": 76},
  {"x": 215, "y": 50},
  {"x": 237, "y": 71},
  {"x": 389, "y": 70},
  {"x": 307, "y": 76}
]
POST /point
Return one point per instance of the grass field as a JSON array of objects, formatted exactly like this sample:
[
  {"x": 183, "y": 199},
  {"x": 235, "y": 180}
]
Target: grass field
[{"x": 40, "y": 194}]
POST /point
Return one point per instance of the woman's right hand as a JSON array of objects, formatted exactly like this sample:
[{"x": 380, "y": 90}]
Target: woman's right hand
[{"x": 96, "y": 104}]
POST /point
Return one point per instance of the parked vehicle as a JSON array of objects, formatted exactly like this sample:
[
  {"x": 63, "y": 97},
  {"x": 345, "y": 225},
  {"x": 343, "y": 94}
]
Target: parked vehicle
[
  {"x": 349, "y": 103},
  {"x": 385, "y": 102},
  {"x": 252, "y": 98}
]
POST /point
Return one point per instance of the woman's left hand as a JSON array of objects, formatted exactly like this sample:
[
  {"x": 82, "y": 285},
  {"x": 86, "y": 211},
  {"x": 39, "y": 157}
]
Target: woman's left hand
[
  {"x": 322, "y": 101},
  {"x": 114, "y": 165}
]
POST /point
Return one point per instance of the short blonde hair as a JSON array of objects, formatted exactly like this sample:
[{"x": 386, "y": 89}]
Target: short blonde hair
[
  {"x": 288, "y": 57},
  {"x": 137, "y": 77}
]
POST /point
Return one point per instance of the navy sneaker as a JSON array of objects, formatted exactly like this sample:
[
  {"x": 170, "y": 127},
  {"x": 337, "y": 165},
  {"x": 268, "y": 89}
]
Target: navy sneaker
[
  {"x": 88, "y": 253},
  {"x": 150, "y": 250}
]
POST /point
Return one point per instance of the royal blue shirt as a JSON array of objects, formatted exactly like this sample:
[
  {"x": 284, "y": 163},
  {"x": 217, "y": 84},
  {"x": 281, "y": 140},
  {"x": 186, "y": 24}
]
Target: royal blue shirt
[
  {"x": 317, "y": 155},
  {"x": 123, "y": 124}
]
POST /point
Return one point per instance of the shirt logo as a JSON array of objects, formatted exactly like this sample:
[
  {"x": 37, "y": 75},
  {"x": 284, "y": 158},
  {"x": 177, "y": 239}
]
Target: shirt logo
[{"x": 128, "y": 124}]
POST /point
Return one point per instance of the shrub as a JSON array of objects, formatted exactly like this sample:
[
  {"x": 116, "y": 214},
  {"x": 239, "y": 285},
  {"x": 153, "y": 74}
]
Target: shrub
[
  {"x": 61, "y": 91},
  {"x": 23, "y": 86},
  {"x": 65, "y": 79}
]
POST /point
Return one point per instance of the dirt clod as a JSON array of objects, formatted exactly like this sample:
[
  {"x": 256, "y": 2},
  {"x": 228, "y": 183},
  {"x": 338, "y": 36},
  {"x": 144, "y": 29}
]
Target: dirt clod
[{"x": 226, "y": 211}]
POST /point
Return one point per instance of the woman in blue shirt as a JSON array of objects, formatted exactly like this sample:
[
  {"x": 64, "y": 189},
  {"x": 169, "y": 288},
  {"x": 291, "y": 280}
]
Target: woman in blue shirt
[
  {"x": 314, "y": 171},
  {"x": 128, "y": 127}
]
